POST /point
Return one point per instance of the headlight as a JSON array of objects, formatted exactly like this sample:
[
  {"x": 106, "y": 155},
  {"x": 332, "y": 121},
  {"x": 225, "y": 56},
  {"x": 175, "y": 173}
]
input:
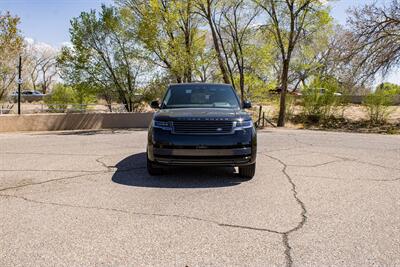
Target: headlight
[
  {"x": 164, "y": 125},
  {"x": 240, "y": 125}
]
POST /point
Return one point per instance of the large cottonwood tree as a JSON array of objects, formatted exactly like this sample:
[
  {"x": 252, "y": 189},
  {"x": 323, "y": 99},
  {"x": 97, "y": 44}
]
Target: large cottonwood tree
[
  {"x": 104, "y": 54},
  {"x": 11, "y": 45},
  {"x": 289, "y": 22}
]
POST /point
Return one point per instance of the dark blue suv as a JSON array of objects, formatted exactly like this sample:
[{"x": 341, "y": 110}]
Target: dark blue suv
[{"x": 201, "y": 124}]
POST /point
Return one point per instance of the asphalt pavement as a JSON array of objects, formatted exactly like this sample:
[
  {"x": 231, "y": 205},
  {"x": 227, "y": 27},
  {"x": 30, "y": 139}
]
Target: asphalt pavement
[{"x": 85, "y": 199}]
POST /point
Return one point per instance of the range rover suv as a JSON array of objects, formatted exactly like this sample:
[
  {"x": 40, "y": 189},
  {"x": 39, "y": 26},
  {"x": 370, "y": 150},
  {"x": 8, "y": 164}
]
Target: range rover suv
[{"x": 200, "y": 124}]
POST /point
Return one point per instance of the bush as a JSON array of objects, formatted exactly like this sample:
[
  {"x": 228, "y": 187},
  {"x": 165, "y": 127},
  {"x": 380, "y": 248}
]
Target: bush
[
  {"x": 59, "y": 98},
  {"x": 388, "y": 88},
  {"x": 319, "y": 99},
  {"x": 78, "y": 96},
  {"x": 378, "y": 106},
  {"x": 83, "y": 94},
  {"x": 318, "y": 106}
]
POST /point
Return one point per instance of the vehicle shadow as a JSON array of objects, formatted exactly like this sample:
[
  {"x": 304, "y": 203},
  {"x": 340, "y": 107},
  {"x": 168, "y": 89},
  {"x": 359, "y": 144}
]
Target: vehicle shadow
[{"x": 131, "y": 171}]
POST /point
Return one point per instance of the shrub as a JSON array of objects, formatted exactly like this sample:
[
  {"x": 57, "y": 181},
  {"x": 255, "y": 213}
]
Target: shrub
[
  {"x": 59, "y": 98},
  {"x": 319, "y": 99},
  {"x": 388, "y": 88},
  {"x": 318, "y": 105},
  {"x": 83, "y": 94},
  {"x": 378, "y": 106},
  {"x": 63, "y": 96}
]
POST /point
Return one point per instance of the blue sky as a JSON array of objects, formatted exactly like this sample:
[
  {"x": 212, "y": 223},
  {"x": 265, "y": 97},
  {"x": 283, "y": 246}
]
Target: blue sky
[{"x": 48, "y": 20}]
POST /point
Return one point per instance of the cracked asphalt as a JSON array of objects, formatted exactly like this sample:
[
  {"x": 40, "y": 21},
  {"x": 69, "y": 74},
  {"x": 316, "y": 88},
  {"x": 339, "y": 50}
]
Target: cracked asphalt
[{"x": 85, "y": 199}]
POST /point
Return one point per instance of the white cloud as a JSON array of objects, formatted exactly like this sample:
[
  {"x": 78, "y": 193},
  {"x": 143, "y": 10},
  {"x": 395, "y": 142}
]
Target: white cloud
[
  {"x": 40, "y": 46},
  {"x": 66, "y": 44}
]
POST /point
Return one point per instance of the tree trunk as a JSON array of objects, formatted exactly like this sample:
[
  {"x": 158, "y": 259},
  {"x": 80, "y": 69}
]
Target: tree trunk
[
  {"x": 221, "y": 63},
  {"x": 284, "y": 86},
  {"x": 188, "y": 43},
  {"x": 242, "y": 84}
]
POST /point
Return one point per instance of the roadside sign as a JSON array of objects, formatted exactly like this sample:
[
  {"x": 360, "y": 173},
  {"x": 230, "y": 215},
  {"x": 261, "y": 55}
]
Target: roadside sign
[{"x": 19, "y": 81}]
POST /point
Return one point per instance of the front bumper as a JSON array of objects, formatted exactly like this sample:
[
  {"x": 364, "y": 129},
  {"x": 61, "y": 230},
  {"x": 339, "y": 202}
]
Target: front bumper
[{"x": 236, "y": 149}]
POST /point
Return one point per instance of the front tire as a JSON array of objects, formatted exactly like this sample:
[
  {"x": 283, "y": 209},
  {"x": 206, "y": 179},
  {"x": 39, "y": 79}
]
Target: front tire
[
  {"x": 152, "y": 168},
  {"x": 247, "y": 171}
]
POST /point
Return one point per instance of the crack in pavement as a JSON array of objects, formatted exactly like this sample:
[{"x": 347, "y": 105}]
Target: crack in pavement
[
  {"x": 49, "y": 181},
  {"x": 285, "y": 235},
  {"x": 357, "y": 179},
  {"x": 108, "y": 169},
  {"x": 82, "y": 174},
  {"x": 315, "y": 165},
  {"x": 303, "y": 214},
  {"x": 48, "y": 153},
  {"x": 103, "y": 164},
  {"x": 376, "y": 165},
  {"x": 47, "y": 170},
  {"x": 144, "y": 214},
  {"x": 341, "y": 158},
  {"x": 298, "y": 141},
  {"x": 86, "y": 173}
]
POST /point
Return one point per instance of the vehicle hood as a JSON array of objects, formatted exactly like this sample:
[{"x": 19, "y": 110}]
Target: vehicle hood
[{"x": 201, "y": 114}]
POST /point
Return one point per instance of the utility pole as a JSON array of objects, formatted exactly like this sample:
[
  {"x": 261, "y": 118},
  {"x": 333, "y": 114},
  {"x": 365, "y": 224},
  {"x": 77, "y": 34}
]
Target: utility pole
[{"x": 19, "y": 84}]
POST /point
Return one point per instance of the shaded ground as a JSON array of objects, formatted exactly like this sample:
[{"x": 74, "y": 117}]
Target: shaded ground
[{"x": 84, "y": 198}]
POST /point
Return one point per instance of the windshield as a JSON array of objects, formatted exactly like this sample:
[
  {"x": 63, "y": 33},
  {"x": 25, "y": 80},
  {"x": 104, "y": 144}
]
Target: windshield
[{"x": 200, "y": 96}]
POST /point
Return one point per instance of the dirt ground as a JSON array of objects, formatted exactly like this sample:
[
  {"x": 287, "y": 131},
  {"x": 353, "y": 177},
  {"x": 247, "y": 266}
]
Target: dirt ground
[{"x": 351, "y": 112}]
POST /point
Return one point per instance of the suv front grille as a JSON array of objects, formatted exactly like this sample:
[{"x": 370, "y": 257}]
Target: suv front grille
[{"x": 202, "y": 127}]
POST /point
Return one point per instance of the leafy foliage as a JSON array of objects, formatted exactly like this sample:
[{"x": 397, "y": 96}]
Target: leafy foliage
[
  {"x": 60, "y": 97},
  {"x": 378, "y": 106},
  {"x": 63, "y": 96},
  {"x": 319, "y": 99},
  {"x": 11, "y": 44},
  {"x": 388, "y": 88},
  {"x": 105, "y": 55}
]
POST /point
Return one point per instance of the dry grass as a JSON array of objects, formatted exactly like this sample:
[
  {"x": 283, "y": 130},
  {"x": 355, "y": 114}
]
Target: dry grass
[{"x": 354, "y": 118}]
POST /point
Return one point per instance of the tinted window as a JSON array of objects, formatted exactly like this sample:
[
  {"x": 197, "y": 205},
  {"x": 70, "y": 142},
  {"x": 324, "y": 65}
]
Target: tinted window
[{"x": 200, "y": 95}]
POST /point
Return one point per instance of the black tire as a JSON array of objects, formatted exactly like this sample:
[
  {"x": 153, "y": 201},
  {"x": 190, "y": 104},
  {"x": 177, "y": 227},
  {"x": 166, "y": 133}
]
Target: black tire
[
  {"x": 247, "y": 171},
  {"x": 152, "y": 168}
]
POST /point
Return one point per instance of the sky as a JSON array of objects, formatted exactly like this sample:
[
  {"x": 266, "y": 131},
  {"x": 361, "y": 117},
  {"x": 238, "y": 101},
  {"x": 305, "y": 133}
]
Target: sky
[{"x": 48, "y": 21}]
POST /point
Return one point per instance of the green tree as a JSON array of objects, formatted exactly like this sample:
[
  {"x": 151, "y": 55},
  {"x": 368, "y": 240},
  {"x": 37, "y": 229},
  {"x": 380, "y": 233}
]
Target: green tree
[
  {"x": 11, "y": 45},
  {"x": 289, "y": 22},
  {"x": 235, "y": 29},
  {"x": 208, "y": 9},
  {"x": 106, "y": 55},
  {"x": 170, "y": 31}
]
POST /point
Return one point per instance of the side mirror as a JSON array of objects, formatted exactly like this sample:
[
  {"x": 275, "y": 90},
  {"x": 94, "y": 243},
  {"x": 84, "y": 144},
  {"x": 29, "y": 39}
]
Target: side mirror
[
  {"x": 246, "y": 104},
  {"x": 155, "y": 104}
]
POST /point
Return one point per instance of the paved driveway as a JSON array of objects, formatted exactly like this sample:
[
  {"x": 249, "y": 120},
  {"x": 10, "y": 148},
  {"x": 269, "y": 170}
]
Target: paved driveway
[{"x": 318, "y": 198}]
